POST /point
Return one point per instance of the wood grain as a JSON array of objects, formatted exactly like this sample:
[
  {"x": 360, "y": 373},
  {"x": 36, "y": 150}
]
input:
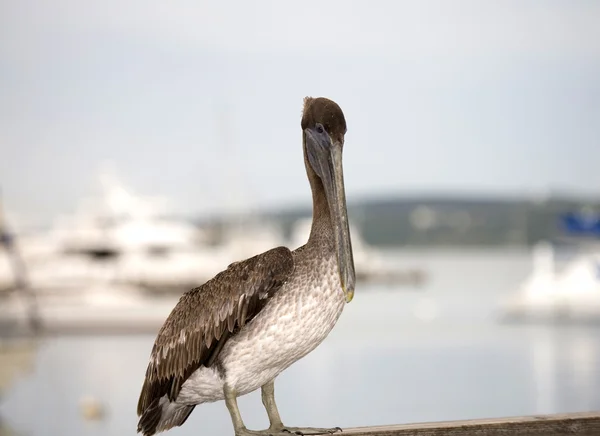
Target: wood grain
[{"x": 579, "y": 424}]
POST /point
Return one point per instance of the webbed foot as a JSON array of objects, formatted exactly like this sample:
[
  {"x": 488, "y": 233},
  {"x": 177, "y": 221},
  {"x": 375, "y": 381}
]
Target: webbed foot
[{"x": 310, "y": 431}]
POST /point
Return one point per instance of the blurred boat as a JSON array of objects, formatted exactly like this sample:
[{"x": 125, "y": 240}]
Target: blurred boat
[
  {"x": 116, "y": 239},
  {"x": 245, "y": 238},
  {"x": 116, "y": 265},
  {"x": 371, "y": 265},
  {"x": 96, "y": 309},
  {"x": 570, "y": 294}
]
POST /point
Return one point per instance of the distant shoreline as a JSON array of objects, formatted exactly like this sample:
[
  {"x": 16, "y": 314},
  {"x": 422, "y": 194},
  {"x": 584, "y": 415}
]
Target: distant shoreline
[{"x": 459, "y": 221}]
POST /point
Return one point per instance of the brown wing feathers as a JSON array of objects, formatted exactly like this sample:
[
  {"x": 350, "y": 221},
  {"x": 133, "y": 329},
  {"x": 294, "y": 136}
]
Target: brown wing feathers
[{"x": 205, "y": 317}]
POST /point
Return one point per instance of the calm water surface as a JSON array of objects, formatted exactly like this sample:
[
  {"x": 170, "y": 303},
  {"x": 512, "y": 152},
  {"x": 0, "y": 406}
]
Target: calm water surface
[{"x": 382, "y": 364}]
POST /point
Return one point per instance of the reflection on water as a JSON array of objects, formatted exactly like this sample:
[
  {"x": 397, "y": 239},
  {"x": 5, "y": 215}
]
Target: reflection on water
[
  {"x": 381, "y": 365},
  {"x": 497, "y": 372}
]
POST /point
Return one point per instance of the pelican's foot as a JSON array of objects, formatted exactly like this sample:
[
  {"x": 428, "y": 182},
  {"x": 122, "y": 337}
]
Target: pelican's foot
[{"x": 311, "y": 431}]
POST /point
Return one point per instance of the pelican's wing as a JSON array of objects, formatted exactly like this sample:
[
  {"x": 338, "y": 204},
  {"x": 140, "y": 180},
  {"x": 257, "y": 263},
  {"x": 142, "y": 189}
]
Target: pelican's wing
[{"x": 205, "y": 317}]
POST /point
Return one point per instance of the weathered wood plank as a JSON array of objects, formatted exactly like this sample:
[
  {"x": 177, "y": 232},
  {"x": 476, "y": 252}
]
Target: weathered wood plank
[{"x": 574, "y": 424}]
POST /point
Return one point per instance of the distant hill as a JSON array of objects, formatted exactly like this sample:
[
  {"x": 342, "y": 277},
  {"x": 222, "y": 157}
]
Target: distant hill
[{"x": 451, "y": 221}]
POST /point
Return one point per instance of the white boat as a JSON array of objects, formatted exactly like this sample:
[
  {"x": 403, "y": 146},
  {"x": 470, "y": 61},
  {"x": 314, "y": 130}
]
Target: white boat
[
  {"x": 94, "y": 310},
  {"x": 246, "y": 237},
  {"x": 555, "y": 292},
  {"x": 116, "y": 239},
  {"x": 116, "y": 265}
]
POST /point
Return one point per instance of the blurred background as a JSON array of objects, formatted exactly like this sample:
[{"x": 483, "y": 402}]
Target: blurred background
[{"x": 147, "y": 145}]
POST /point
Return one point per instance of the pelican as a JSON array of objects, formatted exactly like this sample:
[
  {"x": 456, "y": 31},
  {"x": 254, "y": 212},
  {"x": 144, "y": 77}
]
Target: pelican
[{"x": 238, "y": 331}]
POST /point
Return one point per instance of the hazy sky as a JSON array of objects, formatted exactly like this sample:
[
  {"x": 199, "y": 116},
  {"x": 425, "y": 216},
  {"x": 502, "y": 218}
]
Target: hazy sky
[{"x": 462, "y": 96}]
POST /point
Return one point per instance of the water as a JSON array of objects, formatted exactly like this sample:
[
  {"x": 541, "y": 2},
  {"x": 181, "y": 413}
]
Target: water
[{"x": 381, "y": 364}]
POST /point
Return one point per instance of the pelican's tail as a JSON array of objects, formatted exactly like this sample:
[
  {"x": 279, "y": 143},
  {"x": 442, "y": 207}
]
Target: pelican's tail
[{"x": 162, "y": 415}]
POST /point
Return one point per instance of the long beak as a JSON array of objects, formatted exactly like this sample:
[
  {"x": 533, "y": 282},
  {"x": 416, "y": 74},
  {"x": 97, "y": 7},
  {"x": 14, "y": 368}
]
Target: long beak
[{"x": 325, "y": 158}]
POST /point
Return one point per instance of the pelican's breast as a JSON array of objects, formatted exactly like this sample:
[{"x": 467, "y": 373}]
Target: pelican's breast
[{"x": 294, "y": 323}]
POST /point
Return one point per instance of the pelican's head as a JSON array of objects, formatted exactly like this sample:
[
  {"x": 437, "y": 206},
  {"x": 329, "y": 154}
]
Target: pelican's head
[{"x": 324, "y": 128}]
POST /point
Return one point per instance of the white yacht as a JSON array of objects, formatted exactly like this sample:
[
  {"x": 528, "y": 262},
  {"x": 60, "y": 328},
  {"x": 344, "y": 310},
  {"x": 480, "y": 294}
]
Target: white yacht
[
  {"x": 96, "y": 309},
  {"x": 116, "y": 239},
  {"x": 95, "y": 270},
  {"x": 567, "y": 291}
]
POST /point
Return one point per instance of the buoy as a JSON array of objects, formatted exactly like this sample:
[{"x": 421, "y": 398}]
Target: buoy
[{"x": 91, "y": 409}]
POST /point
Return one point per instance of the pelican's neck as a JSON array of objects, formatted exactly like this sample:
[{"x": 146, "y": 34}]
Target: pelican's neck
[{"x": 321, "y": 232}]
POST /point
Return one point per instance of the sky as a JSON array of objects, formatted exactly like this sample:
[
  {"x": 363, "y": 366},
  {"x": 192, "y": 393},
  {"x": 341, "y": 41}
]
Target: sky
[{"x": 201, "y": 101}]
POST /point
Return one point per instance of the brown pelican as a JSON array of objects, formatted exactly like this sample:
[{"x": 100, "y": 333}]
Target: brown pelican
[{"x": 238, "y": 331}]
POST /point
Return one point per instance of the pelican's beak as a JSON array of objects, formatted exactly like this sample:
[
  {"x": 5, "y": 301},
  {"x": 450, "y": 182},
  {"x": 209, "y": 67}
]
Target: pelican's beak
[{"x": 325, "y": 158}]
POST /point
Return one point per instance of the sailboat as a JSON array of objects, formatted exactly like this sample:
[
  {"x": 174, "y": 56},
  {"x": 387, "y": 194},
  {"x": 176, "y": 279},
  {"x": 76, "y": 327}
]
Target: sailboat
[{"x": 561, "y": 292}]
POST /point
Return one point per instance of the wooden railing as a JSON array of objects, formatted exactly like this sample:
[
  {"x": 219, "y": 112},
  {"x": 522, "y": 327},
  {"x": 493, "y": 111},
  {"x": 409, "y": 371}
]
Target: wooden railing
[{"x": 573, "y": 424}]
